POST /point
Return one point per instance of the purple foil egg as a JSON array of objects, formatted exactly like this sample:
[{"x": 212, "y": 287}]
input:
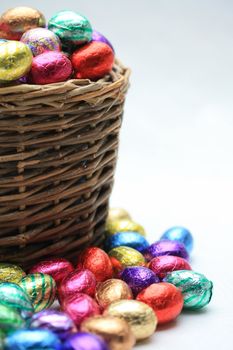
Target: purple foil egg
[
  {"x": 96, "y": 36},
  {"x": 166, "y": 247},
  {"x": 53, "y": 320},
  {"x": 138, "y": 278},
  {"x": 85, "y": 341}
]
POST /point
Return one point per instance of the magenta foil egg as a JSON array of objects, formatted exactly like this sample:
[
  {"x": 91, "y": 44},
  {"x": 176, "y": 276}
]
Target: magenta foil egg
[
  {"x": 168, "y": 263},
  {"x": 166, "y": 247},
  {"x": 41, "y": 40},
  {"x": 85, "y": 341}
]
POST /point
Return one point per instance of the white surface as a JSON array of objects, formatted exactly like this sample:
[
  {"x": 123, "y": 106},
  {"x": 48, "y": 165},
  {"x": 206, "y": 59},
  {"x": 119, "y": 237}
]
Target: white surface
[{"x": 175, "y": 161}]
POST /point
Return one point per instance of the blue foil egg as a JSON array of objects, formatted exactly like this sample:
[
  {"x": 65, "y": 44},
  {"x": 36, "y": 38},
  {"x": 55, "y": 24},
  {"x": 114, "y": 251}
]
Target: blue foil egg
[
  {"x": 128, "y": 239},
  {"x": 180, "y": 234},
  {"x": 36, "y": 339},
  {"x": 138, "y": 278}
]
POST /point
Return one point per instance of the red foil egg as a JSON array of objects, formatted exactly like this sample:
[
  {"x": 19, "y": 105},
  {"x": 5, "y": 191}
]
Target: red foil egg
[
  {"x": 79, "y": 307},
  {"x": 168, "y": 263},
  {"x": 93, "y": 60},
  {"x": 50, "y": 67},
  {"x": 58, "y": 268},
  {"x": 98, "y": 262},
  {"x": 77, "y": 282},
  {"x": 165, "y": 299}
]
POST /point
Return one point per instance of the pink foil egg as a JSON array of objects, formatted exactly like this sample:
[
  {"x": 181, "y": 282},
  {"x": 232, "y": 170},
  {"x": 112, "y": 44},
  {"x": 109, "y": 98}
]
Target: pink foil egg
[
  {"x": 50, "y": 67},
  {"x": 77, "y": 282},
  {"x": 168, "y": 263},
  {"x": 79, "y": 307},
  {"x": 58, "y": 268}
]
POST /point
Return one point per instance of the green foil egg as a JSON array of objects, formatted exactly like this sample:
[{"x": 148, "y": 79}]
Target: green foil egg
[
  {"x": 10, "y": 319},
  {"x": 13, "y": 296},
  {"x": 41, "y": 289},
  {"x": 11, "y": 273},
  {"x": 71, "y": 27},
  {"x": 195, "y": 287},
  {"x": 2, "y": 337}
]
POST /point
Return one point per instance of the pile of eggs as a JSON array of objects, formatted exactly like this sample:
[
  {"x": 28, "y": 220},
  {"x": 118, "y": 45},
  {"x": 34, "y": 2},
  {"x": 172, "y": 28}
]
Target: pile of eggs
[
  {"x": 109, "y": 300},
  {"x": 67, "y": 48}
]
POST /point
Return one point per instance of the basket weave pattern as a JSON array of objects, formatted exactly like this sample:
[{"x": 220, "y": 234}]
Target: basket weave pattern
[{"x": 58, "y": 149}]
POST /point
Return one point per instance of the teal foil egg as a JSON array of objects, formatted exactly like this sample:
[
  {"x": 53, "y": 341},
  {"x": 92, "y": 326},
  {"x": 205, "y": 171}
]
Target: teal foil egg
[
  {"x": 128, "y": 239},
  {"x": 15, "y": 297},
  {"x": 195, "y": 287},
  {"x": 71, "y": 27},
  {"x": 180, "y": 234},
  {"x": 32, "y": 339}
]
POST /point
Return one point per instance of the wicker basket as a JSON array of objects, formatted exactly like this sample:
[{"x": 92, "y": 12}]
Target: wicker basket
[{"x": 58, "y": 150}]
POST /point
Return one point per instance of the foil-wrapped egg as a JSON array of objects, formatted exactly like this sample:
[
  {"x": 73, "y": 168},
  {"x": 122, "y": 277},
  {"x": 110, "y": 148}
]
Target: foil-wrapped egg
[
  {"x": 126, "y": 225},
  {"x": 168, "y": 263},
  {"x": 41, "y": 40},
  {"x": 122, "y": 257},
  {"x": 79, "y": 307},
  {"x": 50, "y": 67},
  {"x": 118, "y": 214},
  {"x": 166, "y": 247},
  {"x": 180, "y": 234},
  {"x": 115, "y": 331},
  {"x": 97, "y": 261},
  {"x": 97, "y": 36},
  {"x": 32, "y": 339},
  {"x": 58, "y": 268},
  {"x": 84, "y": 341},
  {"x": 112, "y": 290},
  {"x": 77, "y": 282},
  {"x": 15, "y": 60},
  {"x": 92, "y": 61},
  {"x": 195, "y": 287},
  {"x": 13, "y": 296},
  {"x": 138, "y": 278},
  {"x": 165, "y": 299},
  {"x": 41, "y": 289},
  {"x": 127, "y": 239},
  {"x": 11, "y": 273},
  {"x": 70, "y": 26},
  {"x": 15, "y": 21},
  {"x": 139, "y": 316},
  {"x": 10, "y": 319},
  {"x": 55, "y": 321}
]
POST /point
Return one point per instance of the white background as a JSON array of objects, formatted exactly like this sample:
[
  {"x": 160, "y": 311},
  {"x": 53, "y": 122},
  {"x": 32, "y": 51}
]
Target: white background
[{"x": 175, "y": 161}]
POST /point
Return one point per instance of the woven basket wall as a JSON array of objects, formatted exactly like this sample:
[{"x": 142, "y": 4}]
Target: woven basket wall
[{"x": 58, "y": 149}]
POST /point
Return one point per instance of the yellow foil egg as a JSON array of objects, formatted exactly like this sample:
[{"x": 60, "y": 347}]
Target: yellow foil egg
[
  {"x": 125, "y": 225},
  {"x": 15, "y": 21},
  {"x": 118, "y": 214},
  {"x": 41, "y": 289},
  {"x": 139, "y": 316},
  {"x": 11, "y": 273},
  {"x": 112, "y": 290},
  {"x": 15, "y": 60},
  {"x": 116, "y": 331},
  {"x": 122, "y": 257}
]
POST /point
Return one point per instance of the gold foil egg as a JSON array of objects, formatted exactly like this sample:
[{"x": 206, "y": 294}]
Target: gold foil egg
[
  {"x": 122, "y": 257},
  {"x": 112, "y": 290},
  {"x": 139, "y": 316},
  {"x": 125, "y": 225},
  {"x": 15, "y": 60},
  {"x": 41, "y": 289},
  {"x": 14, "y": 22},
  {"x": 118, "y": 214},
  {"x": 116, "y": 332},
  {"x": 11, "y": 273}
]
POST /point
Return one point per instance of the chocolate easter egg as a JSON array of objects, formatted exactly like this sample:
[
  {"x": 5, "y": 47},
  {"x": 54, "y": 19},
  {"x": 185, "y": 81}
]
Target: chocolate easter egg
[{"x": 11, "y": 273}]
